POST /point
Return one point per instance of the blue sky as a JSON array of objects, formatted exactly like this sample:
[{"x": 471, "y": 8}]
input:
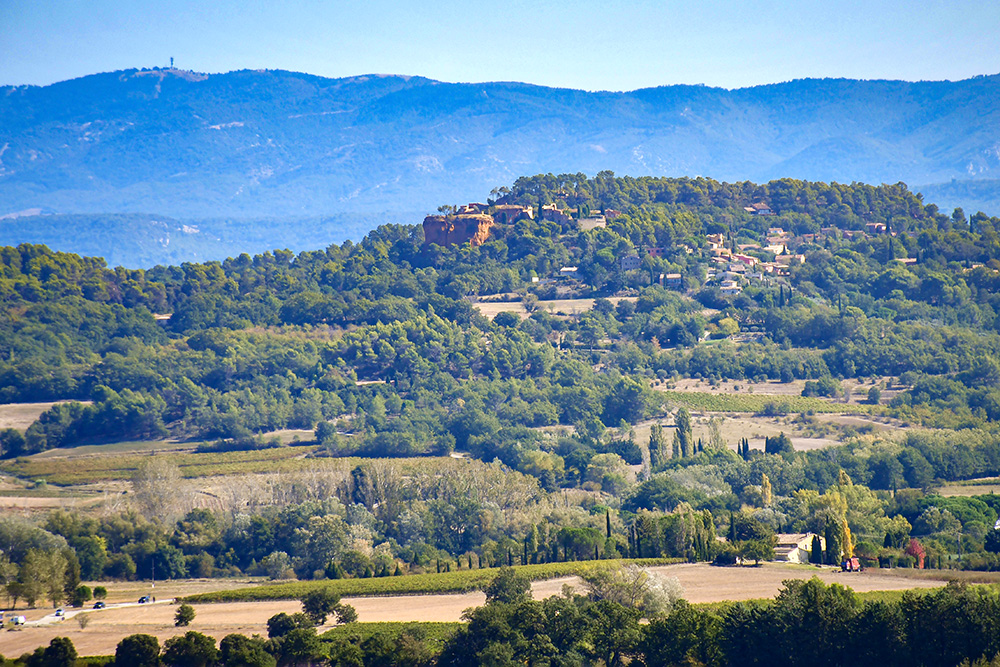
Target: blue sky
[{"x": 585, "y": 44}]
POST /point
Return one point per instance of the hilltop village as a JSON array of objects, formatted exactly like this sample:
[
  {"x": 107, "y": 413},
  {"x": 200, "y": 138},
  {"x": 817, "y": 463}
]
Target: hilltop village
[{"x": 732, "y": 265}]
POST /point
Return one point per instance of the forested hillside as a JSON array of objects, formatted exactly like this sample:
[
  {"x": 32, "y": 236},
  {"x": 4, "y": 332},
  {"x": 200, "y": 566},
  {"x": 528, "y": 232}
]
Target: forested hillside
[
  {"x": 258, "y": 343},
  {"x": 380, "y": 348}
]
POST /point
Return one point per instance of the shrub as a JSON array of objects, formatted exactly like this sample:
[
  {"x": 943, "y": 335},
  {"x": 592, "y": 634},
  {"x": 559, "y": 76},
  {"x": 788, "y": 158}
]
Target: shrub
[
  {"x": 138, "y": 651},
  {"x": 193, "y": 649},
  {"x": 508, "y": 586},
  {"x": 184, "y": 615},
  {"x": 81, "y": 595}
]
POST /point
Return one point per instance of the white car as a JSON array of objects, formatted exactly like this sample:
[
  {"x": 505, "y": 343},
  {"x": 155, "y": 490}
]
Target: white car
[{"x": 60, "y": 613}]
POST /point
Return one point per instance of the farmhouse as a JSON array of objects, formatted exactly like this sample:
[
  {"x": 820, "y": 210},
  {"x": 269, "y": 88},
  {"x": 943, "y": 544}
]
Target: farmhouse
[
  {"x": 795, "y": 547},
  {"x": 760, "y": 208},
  {"x": 508, "y": 213},
  {"x": 568, "y": 272},
  {"x": 630, "y": 262},
  {"x": 553, "y": 213},
  {"x": 715, "y": 241},
  {"x": 749, "y": 260},
  {"x": 730, "y": 287},
  {"x": 788, "y": 260}
]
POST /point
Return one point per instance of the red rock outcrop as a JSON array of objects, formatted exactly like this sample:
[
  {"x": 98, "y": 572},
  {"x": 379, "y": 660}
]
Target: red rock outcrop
[{"x": 447, "y": 230}]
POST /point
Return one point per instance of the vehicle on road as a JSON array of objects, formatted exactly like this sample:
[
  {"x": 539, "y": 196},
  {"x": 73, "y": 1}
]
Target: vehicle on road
[
  {"x": 60, "y": 613},
  {"x": 99, "y": 604},
  {"x": 144, "y": 599}
]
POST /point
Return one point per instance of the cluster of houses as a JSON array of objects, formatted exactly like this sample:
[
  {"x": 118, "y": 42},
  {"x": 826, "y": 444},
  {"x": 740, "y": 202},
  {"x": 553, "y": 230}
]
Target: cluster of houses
[
  {"x": 505, "y": 214},
  {"x": 731, "y": 266}
]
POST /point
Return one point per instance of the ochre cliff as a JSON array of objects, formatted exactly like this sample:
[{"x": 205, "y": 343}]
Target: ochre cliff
[{"x": 471, "y": 228}]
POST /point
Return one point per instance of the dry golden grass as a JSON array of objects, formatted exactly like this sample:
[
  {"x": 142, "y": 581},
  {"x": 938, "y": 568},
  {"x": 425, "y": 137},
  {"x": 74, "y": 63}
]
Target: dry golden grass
[
  {"x": 21, "y": 415},
  {"x": 491, "y": 309},
  {"x": 702, "y": 583}
]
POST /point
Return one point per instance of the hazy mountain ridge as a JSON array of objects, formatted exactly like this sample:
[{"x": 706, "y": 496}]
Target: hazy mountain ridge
[
  {"x": 278, "y": 144},
  {"x": 142, "y": 240}
]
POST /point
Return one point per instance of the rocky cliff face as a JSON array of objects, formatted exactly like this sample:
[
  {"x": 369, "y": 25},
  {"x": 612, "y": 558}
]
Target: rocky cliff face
[{"x": 471, "y": 228}]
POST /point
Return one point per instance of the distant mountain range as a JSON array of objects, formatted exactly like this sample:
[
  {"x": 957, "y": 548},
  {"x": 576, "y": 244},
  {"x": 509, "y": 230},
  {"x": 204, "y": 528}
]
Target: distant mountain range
[{"x": 263, "y": 147}]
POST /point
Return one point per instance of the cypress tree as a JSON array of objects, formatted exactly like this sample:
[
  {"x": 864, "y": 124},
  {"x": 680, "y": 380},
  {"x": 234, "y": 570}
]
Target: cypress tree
[
  {"x": 832, "y": 543},
  {"x": 657, "y": 447},
  {"x": 683, "y": 438},
  {"x": 607, "y": 522},
  {"x": 816, "y": 555}
]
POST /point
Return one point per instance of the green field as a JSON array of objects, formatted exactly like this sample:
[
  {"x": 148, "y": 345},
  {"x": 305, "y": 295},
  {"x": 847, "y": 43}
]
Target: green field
[
  {"x": 93, "y": 469},
  {"x": 759, "y": 403},
  {"x": 415, "y": 584},
  {"x": 436, "y": 633}
]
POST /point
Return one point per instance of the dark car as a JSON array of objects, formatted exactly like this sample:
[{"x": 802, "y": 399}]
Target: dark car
[
  {"x": 144, "y": 599},
  {"x": 99, "y": 605}
]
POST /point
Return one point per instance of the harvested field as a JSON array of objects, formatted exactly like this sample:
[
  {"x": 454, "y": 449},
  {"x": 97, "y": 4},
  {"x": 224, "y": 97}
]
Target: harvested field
[
  {"x": 21, "y": 415},
  {"x": 702, "y": 583},
  {"x": 45, "y": 502},
  {"x": 970, "y": 489},
  {"x": 491, "y": 309},
  {"x": 733, "y": 426},
  {"x": 705, "y": 583}
]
